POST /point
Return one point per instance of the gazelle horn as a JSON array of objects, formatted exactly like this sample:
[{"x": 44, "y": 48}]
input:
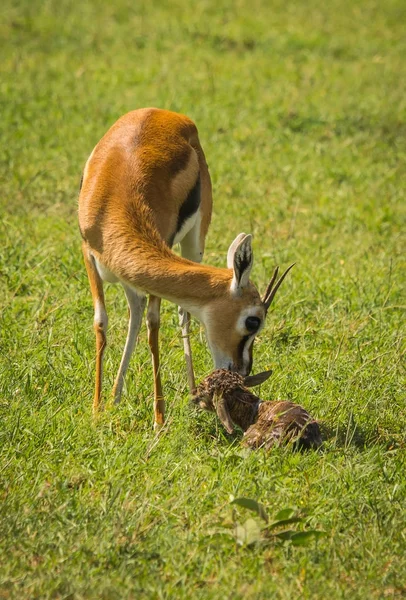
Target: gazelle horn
[{"x": 273, "y": 287}]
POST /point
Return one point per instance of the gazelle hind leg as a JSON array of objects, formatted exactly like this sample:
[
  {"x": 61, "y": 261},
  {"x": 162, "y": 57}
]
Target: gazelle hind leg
[
  {"x": 192, "y": 250},
  {"x": 99, "y": 323},
  {"x": 153, "y": 324},
  {"x": 136, "y": 304}
]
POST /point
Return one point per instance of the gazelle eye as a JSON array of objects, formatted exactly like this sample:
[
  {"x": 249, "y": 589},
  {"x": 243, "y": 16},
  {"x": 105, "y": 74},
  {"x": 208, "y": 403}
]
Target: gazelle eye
[{"x": 252, "y": 324}]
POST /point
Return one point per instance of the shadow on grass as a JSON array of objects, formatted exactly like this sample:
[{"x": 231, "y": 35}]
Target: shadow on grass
[
  {"x": 343, "y": 437},
  {"x": 354, "y": 436}
]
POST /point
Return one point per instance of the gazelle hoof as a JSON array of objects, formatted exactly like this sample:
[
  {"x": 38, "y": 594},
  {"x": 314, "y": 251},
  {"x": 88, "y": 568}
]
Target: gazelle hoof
[{"x": 158, "y": 427}]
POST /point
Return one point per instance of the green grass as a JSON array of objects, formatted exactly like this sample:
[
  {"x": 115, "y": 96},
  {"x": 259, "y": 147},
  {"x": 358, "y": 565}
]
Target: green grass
[{"x": 301, "y": 109}]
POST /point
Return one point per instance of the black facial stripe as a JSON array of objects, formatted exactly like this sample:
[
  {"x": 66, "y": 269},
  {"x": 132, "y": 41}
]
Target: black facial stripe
[
  {"x": 242, "y": 343},
  {"x": 241, "y": 347},
  {"x": 250, "y": 352}
]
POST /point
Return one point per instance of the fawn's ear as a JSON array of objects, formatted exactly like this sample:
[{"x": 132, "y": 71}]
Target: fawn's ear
[
  {"x": 257, "y": 379},
  {"x": 240, "y": 258},
  {"x": 222, "y": 413}
]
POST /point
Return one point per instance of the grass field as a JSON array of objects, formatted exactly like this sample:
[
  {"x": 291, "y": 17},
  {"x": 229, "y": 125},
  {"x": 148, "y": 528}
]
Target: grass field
[{"x": 301, "y": 109}]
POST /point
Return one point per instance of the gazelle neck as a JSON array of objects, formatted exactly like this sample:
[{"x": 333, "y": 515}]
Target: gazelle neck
[{"x": 163, "y": 273}]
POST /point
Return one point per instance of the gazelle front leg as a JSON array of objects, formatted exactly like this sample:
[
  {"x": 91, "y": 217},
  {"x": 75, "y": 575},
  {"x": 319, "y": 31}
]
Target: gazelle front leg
[
  {"x": 99, "y": 324},
  {"x": 153, "y": 323},
  {"x": 184, "y": 322},
  {"x": 136, "y": 304},
  {"x": 191, "y": 248}
]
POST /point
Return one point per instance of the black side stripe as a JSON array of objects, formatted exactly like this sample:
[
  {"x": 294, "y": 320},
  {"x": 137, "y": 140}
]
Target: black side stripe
[
  {"x": 190, "y": 205},
  {"x": 187, "y": 209}
]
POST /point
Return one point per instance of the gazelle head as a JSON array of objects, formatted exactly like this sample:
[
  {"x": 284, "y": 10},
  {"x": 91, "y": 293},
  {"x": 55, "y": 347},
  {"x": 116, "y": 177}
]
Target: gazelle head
[{"x": 232, "y": 320}]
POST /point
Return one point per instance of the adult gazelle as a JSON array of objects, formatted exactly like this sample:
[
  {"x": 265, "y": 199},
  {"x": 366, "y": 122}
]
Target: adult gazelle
[{"x": 146, "y": 187}]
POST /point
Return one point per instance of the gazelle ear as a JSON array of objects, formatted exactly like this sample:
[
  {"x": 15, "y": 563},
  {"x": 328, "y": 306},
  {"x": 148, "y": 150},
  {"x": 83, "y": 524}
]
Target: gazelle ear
[
  {"x": 257, "y": 379},
  {"x": 232, "y": 249},
  {"x": 240, "y": 259}
]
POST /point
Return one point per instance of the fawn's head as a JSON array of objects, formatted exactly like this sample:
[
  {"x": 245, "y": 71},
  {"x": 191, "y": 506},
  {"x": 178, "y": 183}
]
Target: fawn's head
[{"x": 223, "y": 391}]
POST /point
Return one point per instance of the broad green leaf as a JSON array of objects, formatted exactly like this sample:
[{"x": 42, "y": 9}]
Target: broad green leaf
[
  {"x": 285, "y": 513},
  {"x": 285, "y": 535},
  {"x": 252, "y": 505},
  {"x": 303, "y": 538},
  {"x": 284, "y": 522},
  {"x": 248, "y": 533}
]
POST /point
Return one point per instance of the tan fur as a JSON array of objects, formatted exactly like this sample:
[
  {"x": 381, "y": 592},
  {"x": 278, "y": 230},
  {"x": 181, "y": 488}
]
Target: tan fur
[
  {"x": 185, "y": 179},
  {"x": 137, "y": 178},
  {"x": 134, "y": 184}
]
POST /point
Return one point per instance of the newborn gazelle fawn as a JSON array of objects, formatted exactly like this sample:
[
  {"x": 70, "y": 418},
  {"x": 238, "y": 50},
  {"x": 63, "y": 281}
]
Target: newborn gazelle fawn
[
  {"x": 264, "y": 423},
  {"x": 145, "y": 187}
]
